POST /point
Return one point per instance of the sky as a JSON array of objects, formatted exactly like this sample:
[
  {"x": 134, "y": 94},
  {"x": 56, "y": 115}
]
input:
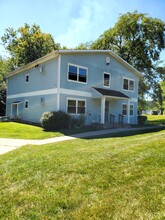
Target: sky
[{"x": 72, "y": 22}]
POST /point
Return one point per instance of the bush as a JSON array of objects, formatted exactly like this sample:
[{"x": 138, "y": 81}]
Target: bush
[
  {"x": 55, "y": 120},
  {"x": 78, "y": 122},
  {"x": 142, "y": 119}
]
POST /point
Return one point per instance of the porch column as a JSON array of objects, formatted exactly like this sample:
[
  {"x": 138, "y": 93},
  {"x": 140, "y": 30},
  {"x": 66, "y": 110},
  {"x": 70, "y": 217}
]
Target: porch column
[
  {"x": 128, "y": 109},
  {"x": 102, "y": 109}
]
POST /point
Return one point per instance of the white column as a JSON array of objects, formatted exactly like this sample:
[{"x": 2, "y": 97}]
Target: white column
[
  {"x": 58, "y": 82},
  {"x": 128, "y": 111},
  {"x": 102, "y": 110}
]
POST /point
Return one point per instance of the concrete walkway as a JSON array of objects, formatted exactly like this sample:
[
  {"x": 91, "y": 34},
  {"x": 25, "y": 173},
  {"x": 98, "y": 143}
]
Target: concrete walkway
[{"x": 7, "y": 144}]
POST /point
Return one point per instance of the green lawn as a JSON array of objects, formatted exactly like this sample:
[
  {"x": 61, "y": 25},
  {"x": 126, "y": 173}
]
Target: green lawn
[
  {"x": 155, "y": 119},
  {"x": 108, "y": 178},
  {"x": 24, "y": 131}
]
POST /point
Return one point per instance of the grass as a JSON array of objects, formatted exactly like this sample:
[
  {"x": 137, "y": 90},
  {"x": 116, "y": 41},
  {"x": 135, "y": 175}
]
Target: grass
[
  {"x": 24, "y": 131},
  {"x": 155, "y": 119},
  {"x": 109, "y": 178}
]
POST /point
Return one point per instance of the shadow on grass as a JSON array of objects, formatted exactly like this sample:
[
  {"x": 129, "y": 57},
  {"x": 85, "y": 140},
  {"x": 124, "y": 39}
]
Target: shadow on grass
[{"x": 126, "y": 133}]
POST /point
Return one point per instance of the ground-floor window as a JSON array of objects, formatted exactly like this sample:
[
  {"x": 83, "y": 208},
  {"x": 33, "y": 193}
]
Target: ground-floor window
[
  {"x": 131, "y": 110},
  {"x": 75, "y": 106},
  {"x": 125, "y": 109},
  {"x": 26, "y": 104}
]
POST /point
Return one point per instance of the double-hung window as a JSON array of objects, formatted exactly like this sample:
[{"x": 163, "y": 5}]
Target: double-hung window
[
  {"x": 124, "y": 109},
  {"x": 76, "y": 106},
  {"x": 131, "y": 109},
  {"x": 128, "y": 84},
  {"x": 77, "y": 73},
  {"x": 106, "y": 79}
]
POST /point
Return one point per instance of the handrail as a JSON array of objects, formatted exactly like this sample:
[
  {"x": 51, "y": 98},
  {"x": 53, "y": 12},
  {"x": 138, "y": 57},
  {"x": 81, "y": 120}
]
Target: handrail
[
  {"x": 112, "y": 119},
  {"x": 121, "y": 119}
]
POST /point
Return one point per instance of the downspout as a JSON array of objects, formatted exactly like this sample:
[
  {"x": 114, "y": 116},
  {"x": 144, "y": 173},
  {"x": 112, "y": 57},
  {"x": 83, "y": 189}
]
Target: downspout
[{"x": 58, "y": 82}]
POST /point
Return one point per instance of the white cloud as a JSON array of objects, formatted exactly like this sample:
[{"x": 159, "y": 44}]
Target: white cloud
[{"x": 85, "y": 26}]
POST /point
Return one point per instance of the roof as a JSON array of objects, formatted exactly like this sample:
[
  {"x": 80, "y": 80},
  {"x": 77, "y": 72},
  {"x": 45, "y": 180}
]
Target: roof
[
  {"x": 111, "y": 93},
  {"x": 57, "y": 53}
]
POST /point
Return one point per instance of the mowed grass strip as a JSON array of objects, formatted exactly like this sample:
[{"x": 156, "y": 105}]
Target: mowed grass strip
[
  {"x": 155, "y": 119},
  {"x": 24, "y": 131},
  {"x": 109, "y": 178}
]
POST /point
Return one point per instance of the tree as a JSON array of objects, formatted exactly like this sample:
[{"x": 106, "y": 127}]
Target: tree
[
  {"x": 139, "y": 40},
  {"x": 84, "y": 46},
  {"x": 5, "y": 67},
  {"x": 27, "y": 44}
]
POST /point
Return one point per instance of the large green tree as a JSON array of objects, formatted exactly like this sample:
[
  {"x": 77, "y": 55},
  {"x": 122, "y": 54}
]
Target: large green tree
[
  {"x": 27, "y": 44},
  {"x": 5, "y": 67},
  {"x": 139, "y": 40}
]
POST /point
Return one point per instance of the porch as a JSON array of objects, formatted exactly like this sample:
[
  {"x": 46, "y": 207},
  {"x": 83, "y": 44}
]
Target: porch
[{"x": 112, "y": 107}]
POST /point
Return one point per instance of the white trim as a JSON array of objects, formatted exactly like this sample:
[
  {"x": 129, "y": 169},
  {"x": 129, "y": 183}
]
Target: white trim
[
  {"x": 75, "y": 92},
  {"x": 109, "y": 79},
  {"x": 129, "y": 79},
  {"x": 78, "y": 67},
  {"x": 102, "y": 110},
  {"x": 35, "y": 93},
  {"x": 58, "y": 83}
]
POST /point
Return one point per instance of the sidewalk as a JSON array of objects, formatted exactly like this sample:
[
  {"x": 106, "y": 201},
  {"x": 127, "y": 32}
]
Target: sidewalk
[{"x": 7, "y": 144}]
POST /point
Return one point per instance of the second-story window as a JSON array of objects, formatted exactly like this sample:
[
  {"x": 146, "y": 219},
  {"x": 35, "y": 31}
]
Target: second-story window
[
  {"x": 27, "y": 78},
  {"x": 77, "y": 73},
  {"x": 128, "y": 84},
  {"x": 107, "y": 79}
]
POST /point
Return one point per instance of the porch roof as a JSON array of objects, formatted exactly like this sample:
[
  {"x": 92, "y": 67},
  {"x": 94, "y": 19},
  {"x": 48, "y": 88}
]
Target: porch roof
[
  {"x": 111, "y": 93},
  {"x": 17, "y": 102}
]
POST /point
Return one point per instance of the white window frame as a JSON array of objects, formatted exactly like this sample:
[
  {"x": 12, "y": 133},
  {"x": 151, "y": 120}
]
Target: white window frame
[
  {"x": 129, "y": 79},
  {"x": 109, "y": 79},
  {"x": 76, "y": 99},
  {"x": 26, "y": 104},
  {"x": 78, "y": 67},
  {"x": 27, "y": 77},
  {"x": 130, "y": 110},
  {"x": 126, "y": 109}
]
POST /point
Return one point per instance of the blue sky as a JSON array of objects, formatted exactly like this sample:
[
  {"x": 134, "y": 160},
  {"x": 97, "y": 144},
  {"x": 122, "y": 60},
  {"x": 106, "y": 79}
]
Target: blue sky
[{"x": 72, "y": 22}]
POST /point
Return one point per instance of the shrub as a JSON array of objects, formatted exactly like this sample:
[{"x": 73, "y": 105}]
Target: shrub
[
  {"x": 55, "y": 120},
  {"x": 78, "y": 122},
  {"x": 142, "y": 119}
]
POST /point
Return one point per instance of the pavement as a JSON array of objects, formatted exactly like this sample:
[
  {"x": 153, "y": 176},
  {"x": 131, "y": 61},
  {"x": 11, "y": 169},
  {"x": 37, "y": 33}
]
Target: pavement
[{"x": 8, "y": 144}]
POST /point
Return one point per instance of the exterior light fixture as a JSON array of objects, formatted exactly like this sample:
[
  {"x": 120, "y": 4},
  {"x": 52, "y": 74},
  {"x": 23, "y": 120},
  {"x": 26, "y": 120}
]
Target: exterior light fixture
[{"x": 107, "y": 60}]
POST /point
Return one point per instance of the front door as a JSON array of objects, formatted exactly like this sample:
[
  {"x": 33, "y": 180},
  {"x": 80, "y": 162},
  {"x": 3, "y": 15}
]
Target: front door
[
  {"x": 106, "y": 111},
  {"x": 14, "y": 109}
]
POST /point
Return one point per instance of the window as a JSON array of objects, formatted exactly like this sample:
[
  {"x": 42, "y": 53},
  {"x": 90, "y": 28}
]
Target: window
[
  {"x": 128, "y": 84},
  {"x": 26, "y": 104},
  {"x": 81, "y": 107},
  {"x": 124, "y": 109},
  {"x": 106, "y": 79},
  {"x": 27, "y": 78},
  {"x": 77, "y": 73},
  {"x": 72, "y": 106},
  {"x": 131, "y": 110},
  {"x": 76, "y": 106}
]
